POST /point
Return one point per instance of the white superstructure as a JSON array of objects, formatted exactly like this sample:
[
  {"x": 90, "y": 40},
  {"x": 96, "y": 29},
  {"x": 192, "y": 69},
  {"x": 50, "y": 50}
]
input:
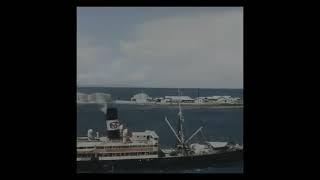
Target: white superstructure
[{"x": 135, "y": 145}]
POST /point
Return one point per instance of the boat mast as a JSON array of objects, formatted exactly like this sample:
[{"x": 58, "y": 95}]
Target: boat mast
[
  {"x": 181, "y": 120},
  {"x": 182, "y": 143}
]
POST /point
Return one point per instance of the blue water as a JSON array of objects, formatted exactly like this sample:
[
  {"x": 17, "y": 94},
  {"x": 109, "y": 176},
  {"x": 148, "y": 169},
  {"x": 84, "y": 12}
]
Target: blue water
[{"x": 220, "y": 124}]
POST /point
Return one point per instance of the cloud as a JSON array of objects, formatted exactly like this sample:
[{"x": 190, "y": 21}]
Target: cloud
[{"x": 196, "y": 50}]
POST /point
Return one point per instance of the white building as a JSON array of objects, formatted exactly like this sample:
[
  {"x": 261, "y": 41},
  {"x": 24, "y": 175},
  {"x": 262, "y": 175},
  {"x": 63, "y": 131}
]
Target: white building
[
  {"x": 223, "y": 100},
  {"x": 99, "y": 98},
  {"x": 82, "y": 98},
  {"x": 218, "y": 100},
  {"x": 158, "y": 99},
  {"x": 226, "y": 100},
  {"x": 213, "y": 99},
  {"x": 91, "y": 98},
  {"x": 164, "y": 100},
  {"x": 183, "y": 99},
  {"x": 141, "y": 98},
  {"x": 199, "y": 100},
  {"x": 102, "y": 97}
]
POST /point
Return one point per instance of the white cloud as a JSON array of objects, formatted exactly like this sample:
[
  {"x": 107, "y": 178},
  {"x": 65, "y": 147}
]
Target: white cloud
[{"x": 199, "y": 50}]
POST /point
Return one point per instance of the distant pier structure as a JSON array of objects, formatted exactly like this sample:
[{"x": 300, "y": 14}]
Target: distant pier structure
[{"x": 144, "y": 99}]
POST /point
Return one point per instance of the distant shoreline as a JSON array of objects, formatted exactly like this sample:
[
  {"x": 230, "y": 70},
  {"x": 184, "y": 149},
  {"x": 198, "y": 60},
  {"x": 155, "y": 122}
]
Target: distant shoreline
[
  {"x": 172, "y": 105},
  {"x": 187, "y": 105},
  {"x": 137, "y": 87}
]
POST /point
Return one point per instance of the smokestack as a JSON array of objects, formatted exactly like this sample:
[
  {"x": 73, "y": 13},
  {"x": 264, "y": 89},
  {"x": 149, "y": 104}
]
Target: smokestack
[{"x": 113, "y": 124}]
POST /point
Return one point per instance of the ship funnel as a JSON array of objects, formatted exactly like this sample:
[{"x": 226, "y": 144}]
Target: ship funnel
[
  {"x": 113, "y": 124},
  {"x": 112, "y": 113}
]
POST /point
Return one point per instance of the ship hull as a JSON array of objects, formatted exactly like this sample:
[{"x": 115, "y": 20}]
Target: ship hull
[{"x": 163, "y": 163}]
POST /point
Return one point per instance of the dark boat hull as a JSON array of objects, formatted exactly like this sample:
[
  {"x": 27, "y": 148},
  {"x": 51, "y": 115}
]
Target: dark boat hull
[{"x": 164, "y": 163}]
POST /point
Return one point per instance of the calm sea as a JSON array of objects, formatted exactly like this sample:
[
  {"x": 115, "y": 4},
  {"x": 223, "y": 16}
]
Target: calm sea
[{"x": 220, "y": 124}]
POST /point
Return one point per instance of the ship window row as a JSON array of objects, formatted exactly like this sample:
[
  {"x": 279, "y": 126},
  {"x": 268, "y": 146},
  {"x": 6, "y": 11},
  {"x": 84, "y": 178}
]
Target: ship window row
[
  {"x": 116, "y": 147},
  {"x": 128, "y": 154},
  {"x": 84, "y": 155},
  {"x": 120, "y": 147}
]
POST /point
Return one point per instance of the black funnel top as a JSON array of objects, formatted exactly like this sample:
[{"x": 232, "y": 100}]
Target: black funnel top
[{"x": 112, "y": 113}]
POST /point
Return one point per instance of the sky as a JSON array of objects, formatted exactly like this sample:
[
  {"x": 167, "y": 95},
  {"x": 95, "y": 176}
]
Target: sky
[{"x": 169, "y": 47}]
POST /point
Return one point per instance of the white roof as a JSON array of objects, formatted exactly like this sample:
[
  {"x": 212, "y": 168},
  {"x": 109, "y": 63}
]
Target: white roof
[
  {"x": 214, "y": 97},
  {"x": 152, "y": 133},
  {"x": 218, "y": 144},
  {"x": 141, "y": 96},
  {"x": 179, "y": 97},
  {"x": 147, "y": 132}
]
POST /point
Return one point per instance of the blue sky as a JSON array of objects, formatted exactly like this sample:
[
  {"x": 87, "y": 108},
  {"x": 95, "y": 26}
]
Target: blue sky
[{"x": 160, "y": 46}]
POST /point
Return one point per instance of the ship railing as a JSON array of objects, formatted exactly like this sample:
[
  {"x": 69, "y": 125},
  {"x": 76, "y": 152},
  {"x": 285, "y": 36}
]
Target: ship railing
[{"x": 128, "y": 150}]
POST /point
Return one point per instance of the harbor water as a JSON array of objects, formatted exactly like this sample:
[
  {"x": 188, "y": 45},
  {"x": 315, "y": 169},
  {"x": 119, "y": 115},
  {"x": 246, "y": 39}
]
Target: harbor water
[{"x": 220, "y": 124}]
